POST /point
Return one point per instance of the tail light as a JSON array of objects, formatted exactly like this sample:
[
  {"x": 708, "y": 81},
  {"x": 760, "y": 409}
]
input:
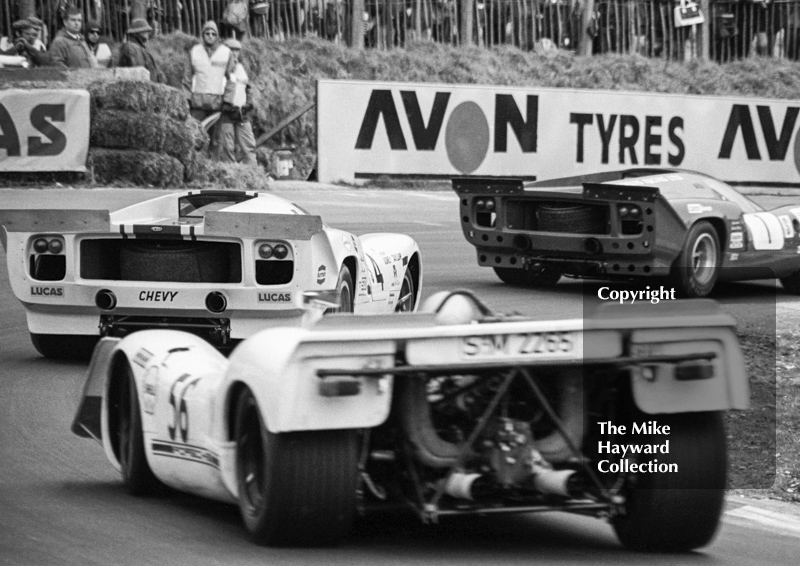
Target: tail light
[
  {"x": 47, "y": 261},
  {"x": 274, "y": 262},
  {"x": 485, "y": 212},
  {"x": 630, "y": 216}
]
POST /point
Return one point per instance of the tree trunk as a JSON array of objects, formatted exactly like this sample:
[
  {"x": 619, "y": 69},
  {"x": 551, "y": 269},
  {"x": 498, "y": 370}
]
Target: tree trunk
[
  {"x": 26, "y": 8},
  {"x": 357, "y": 25},
  {"x": 138, "y": 9}
]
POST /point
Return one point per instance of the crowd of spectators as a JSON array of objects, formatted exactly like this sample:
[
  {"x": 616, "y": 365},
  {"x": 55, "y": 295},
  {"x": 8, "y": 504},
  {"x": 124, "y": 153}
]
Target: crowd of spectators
[{"x": 215, "y": 81}]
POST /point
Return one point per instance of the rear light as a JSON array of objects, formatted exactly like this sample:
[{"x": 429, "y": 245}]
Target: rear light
[
  {"x": 630, "y": 219},
  {"x": 47, "y": 261},
  {"x": 280, "y": 251},
  {"x": 40, "y": 246},
  {"x": 265, "y": 251},
  {"x": 274, "y": 263},
  {"x": 485, "y": 215}
]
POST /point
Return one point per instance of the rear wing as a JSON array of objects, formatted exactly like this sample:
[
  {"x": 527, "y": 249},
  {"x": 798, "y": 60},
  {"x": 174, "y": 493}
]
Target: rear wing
[
  {"x": 262, "y": 225},
  {"x": 691, "y": 349},
  {"x": 488, "y": 186},
  {"x": 55, "y": 220}
]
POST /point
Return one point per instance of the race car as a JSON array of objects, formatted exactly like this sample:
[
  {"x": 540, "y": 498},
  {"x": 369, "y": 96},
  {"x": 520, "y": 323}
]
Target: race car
[
  {"x": 221, "y": 263},
  {"x": 453, "y": 410},
  {"x": 631, "y": 224}
]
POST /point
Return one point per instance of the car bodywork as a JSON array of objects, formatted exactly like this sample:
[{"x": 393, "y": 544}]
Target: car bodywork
[
  {"x": 624, "y": 224},
  {"x": 437, "y": 401},
  {"x": 224, "y": 264}
]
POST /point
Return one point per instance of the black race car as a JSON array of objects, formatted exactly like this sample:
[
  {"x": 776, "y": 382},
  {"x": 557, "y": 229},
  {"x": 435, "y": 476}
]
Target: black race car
[{"x": 631, "y": 224}]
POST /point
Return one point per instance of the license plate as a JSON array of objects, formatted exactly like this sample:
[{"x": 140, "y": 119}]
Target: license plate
[{"x": 568, "y": 345}]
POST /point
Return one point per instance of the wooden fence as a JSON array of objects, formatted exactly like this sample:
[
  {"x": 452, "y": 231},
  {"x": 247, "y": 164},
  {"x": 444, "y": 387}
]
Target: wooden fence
[{"x": 733, "y": 28}]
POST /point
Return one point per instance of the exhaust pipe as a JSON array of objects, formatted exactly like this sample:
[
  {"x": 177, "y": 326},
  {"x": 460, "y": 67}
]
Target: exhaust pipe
[
  {"x": 465, "y": 486},
  {"x": 105, "y": 300},
  {"x": 521, "y": 242},
  {"x": 216, "y": 302},
  {"x": 593, "y": 245},
  {"x": 557, "y": 482}
]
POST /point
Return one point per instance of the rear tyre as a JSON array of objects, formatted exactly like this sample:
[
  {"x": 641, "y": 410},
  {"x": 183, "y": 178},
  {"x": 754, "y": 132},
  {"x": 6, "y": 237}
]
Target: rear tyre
[
  {"x": 295, "y": 488},
  {"x": 344, "y": 288},
  {"x": 127, "y": 438},
  {"x": 696, "y": 269},
  {"x": 64, "y": 346},
  {"x": 408, "y": 294},
  {"x": 678, "y": 511},
  {"x": 543, "y": 276}
]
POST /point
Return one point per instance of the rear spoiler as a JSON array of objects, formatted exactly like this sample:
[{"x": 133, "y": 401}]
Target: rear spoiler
[
  {"x": 638, "y": 193},
  {"x": 55, "y": 220},
  {"x": 262, "y": 225},
  {"x": 487, "y": 185}
]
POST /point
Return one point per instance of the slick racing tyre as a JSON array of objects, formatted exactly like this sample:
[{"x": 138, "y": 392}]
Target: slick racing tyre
[
  {"x": 295, "y": 488},
  {"x": 344, "y": 291},
  {"x": 570, "y": 218},
  {"x": 64, "y": 346},
  {"x": 678, "y": 511},
  {"x": 125, "y": 429},
  {"x": 408, "y": 294},
  {"x": 696, "y": 269},
  {"x": 543, "y": 276}
]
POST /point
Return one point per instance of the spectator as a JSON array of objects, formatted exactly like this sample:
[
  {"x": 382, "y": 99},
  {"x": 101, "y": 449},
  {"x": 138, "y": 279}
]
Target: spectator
[
  {"x": 205, "y": 76},
  {"x": 24, "y": 44},
  {"x": 100, "y": 49},
  {"x": 40, "y": 28},
  {"x": 69, "y": 50},
  {"x": 235, "y": 130},
  {"x": 134, "y": 52}
]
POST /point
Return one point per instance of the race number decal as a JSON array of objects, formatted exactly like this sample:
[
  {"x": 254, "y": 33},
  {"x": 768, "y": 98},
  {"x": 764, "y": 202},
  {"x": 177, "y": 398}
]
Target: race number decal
[
  {"x": 180, "y": 413},
  {"x": 532, "y": 345},
  {"x": 766, "y": 231}
]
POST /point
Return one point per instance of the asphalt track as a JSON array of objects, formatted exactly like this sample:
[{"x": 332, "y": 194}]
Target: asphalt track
[{"x": 62, "y": 504}]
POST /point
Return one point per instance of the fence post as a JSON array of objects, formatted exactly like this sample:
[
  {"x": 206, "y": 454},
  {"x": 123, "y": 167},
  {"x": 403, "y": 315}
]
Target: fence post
[
  {"x": 357, "y": 25},
  {"x": 467, "y": 9},
  {"x": 704, "y": 31},
  {"x": 586, "y": 40}
]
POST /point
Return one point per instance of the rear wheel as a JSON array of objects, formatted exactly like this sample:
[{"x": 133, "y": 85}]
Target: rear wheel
[
  {"x": 344, "y": 288},
  {"x": 295, "y": 488},
  {"x": 543, "y": 276},
  {"x": 408, "y": 294},
  {"x": 125, "y": 427},
  {"x": 696, "y": 270},
  {"x": 64, "y": 346},
  {"x": 678, "y": 511}
]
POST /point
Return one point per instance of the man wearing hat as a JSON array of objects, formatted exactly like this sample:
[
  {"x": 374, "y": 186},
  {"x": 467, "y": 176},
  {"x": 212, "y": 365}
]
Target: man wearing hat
[
  {"x": 69, "y": 49},
  {"x": 134, "y": 52},
  {"x": 100, "y": 49},
  {"x": 209, "y": 66},
  {"x": 205, "y": 76},
  {"x": 24, "y": 44},
  {"x": 235, "y": 130}
]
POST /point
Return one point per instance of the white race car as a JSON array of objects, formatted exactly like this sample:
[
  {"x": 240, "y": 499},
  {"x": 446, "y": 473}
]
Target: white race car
[
  {"x": 455, "y": 410},
  {"x": 219, "y": 263}
]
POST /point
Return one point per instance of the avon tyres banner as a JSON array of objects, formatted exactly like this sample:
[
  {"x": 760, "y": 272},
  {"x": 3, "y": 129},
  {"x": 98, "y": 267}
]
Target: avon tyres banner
[
  {"x": 44, "y": 130},
  {"x": 369, "y": 129}
]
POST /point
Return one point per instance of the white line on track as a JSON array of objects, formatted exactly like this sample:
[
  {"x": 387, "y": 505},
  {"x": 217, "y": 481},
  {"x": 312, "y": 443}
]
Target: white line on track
[{"x": 764, "y": 519}]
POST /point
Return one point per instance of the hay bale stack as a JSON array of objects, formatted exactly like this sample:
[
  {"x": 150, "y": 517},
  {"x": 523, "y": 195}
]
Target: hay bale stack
[
  {"x": 137, "y": 167},
  {"x": 139, "y": 96}
]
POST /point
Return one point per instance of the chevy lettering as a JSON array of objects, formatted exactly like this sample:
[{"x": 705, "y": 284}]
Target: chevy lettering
[{"x": 157, "y": 296}]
